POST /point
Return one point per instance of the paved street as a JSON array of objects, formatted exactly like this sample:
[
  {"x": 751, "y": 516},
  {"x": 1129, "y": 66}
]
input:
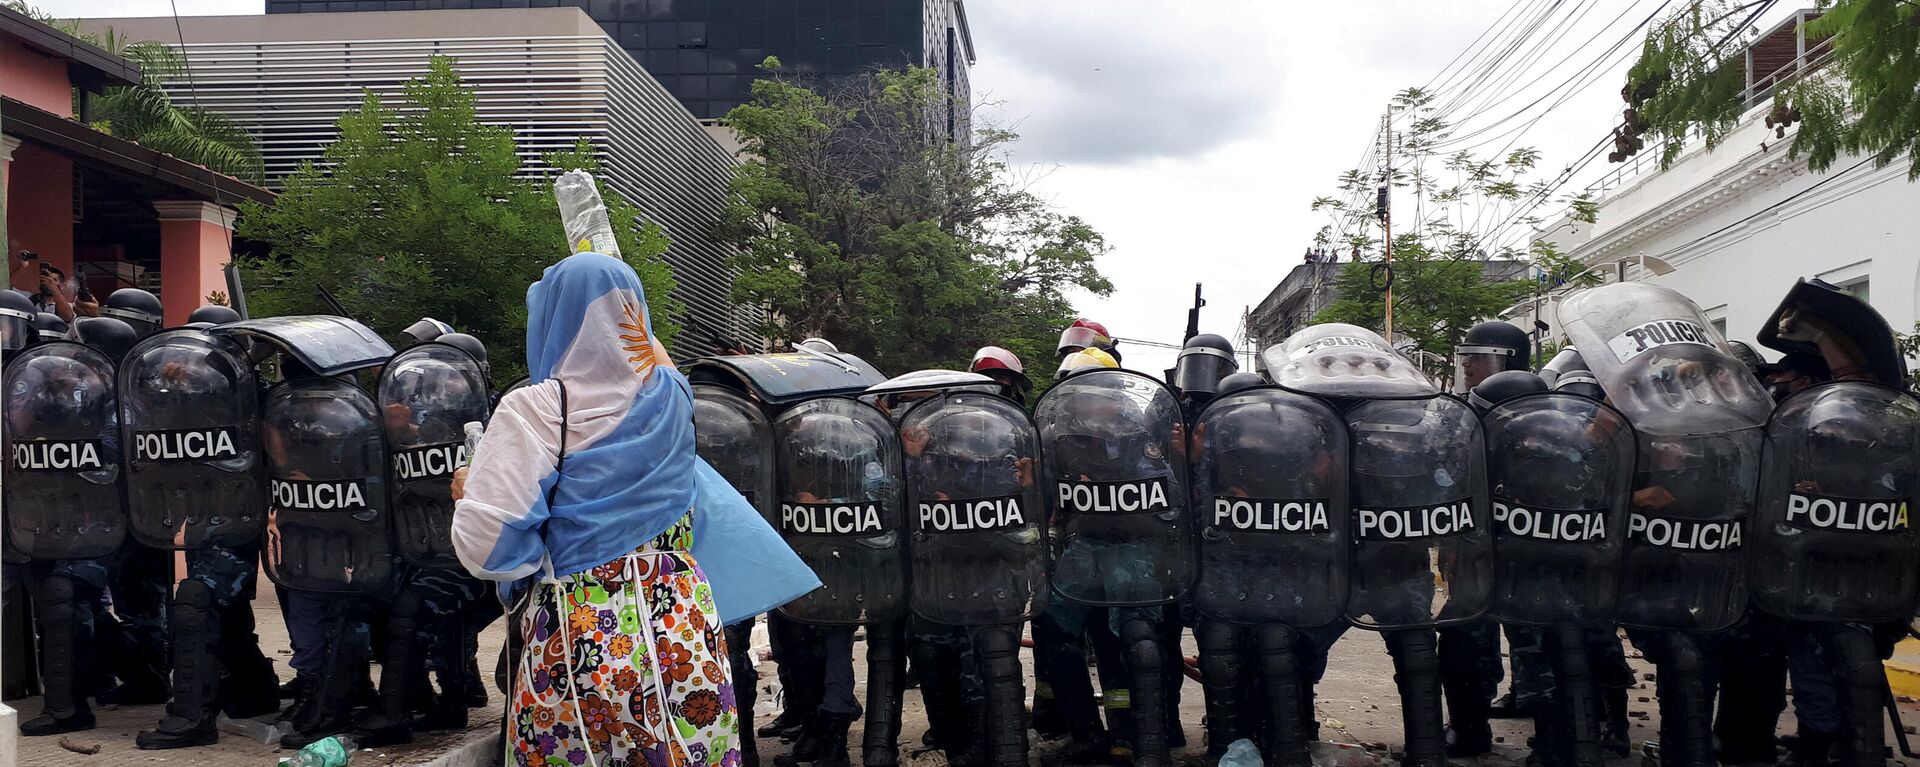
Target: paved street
[{"x": 1357, "y": 705}]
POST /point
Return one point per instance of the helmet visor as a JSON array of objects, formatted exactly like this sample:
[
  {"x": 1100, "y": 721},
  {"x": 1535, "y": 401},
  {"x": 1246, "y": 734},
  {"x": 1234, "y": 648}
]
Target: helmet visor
[{"x": 1472, "y": 364}]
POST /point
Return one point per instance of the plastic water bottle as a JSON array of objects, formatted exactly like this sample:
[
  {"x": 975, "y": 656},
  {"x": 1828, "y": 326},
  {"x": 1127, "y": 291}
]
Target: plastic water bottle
[
  {"x": 583, "y": 214},
  {"x": 326, "y": 752},
  {"x": 475, "y": 430}
]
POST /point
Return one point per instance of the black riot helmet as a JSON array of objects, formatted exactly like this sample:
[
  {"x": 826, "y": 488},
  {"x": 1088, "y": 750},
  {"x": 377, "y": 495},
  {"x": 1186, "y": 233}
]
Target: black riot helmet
[
  {"x": 113, "y": 337},
  {"x": 1744, "y": 352},
  {"x": 137, "y": 308},
  {"x": 472, "y": 346},
  {"x": 214, "y": 314},
  {"x": 1238, "y": 381},
  {"x": 49, "y": 327},
  {"x": 1488, "y": 348},
  {"x": 1203, "y": 361},
  {"x": 427, "y": 329},
  {"x": 1502, "y": 386},
  {"x": 16, "y": 320}
]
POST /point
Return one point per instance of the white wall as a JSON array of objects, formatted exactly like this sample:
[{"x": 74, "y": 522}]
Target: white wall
[{"x": 1843, "y": 226}]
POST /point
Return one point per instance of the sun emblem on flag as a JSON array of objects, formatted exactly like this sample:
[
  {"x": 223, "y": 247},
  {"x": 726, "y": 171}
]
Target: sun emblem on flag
[{"x": 638, "y": 344}]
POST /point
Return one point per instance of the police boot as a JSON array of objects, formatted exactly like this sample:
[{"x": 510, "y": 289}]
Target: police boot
[
  {"x": 1288, "y": 703},
  {"x": 329, "y": 710},
  {"x": 1615, "y": 738},
  {"x": 939, "y": 669},
  {"x": 1220, "y": 677},
  {"x": 196, "y": 675},
  {"x": 1468, "y": 731},
  {"x": 1141, "y": 639},
  {"x": 886, "y": 678},
  {"x": 248, "y": 688},
  {"x": 785, "y": 726},
  {"x": 1416, "y": 672},
  {"x": 998, "y": 648},
  {"x": 807, "y": 744},
  {"x": 63, "y": 705},
  {"x": 833, "y": 741},
  {"x": 390, "y": 721}
]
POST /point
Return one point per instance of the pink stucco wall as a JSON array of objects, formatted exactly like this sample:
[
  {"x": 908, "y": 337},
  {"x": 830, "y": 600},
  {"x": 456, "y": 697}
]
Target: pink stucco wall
[{"x": 38, "y": 80}]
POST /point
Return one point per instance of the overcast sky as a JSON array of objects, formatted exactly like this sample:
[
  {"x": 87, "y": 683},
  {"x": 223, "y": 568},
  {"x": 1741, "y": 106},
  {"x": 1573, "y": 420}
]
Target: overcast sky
[{"x": 1195, "y": 140}]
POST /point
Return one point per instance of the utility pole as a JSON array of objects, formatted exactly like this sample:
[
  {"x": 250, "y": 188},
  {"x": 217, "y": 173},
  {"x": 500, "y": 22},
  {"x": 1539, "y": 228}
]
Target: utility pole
[{"x": 1384, "y": 206}]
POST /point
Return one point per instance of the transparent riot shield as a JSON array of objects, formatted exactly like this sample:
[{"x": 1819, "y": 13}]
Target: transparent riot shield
[
  {"x": 1113, "y": 445},
  {"x": 979, "y": 544},
  {"x": 1423, "y": 547},
  {"x": 327, "y": 527},
  {"x": 1561, "y": 470},
  {"x": 840, "y": 509},
  {"x": 734, "y": 437},
  {"x": 1338, "y": 360},
  {"x": 1832, "y": 537},
  {"x": 325, "y": 344},
  {"x": 189, "y": 410},
  {"x": 1270, "y": 487},
  {"x": 1699, "y": 414},
  {"x": 427, "y": 395},
  {"x": 62, "y": 488}
]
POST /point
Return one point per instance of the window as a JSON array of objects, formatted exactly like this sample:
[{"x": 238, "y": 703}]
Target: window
[{"x": 1859, "y": 289}]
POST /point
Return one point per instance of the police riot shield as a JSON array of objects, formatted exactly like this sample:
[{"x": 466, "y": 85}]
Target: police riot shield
[
  {"x": 1423, "y": 550},
  {"x": 1561, "y": 470},
  {"x": 1270, "y": 486},
  {"x": 1113, "y": 445},
  {"x": 786, "y": 378},
  {"x": 1832, "y": 537},
  {"x": 1698, "y": 414},
  {"x": 62, "y": 489},
  {"x": 327, "y": 528},
  {"x": 189, "y": 410},
  {"x": 427, "y": 395},
  {"x": 326, "y": 345},
  {"x": 840, "y": 509},
  {"x": 979, "y": 544},
  {"x": 1339, "y": 360},
  {"x": 734, "y": 437}
]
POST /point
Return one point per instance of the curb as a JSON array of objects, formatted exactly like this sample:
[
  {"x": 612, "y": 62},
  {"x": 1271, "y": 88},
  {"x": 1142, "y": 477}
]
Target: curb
[{"x": 480, "y": 751}]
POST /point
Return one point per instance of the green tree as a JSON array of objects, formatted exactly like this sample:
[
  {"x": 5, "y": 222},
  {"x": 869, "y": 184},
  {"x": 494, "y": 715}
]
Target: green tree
[
  {"x": 1455, "y": 211},
  {"x": 1690, "y": 79},
  {"x": 146, "y": 115},
  {"x": 1436, "y": 297},
  {"x": 417, "y": 211},
  {"x": 857, "y": 220}
]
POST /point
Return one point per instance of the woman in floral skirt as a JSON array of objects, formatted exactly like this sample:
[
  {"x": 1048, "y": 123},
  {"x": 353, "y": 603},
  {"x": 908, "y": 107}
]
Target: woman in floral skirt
[{"x": 585, "y": 480}]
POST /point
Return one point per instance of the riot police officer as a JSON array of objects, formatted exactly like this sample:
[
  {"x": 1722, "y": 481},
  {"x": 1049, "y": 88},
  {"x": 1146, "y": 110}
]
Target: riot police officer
[
  {"x": 1114, "y": 443},
  {"x": 195, "y": 479},
  {"x": 328, "y": 531},
  {"x": 140, "y": 593},
  {"x": 1003, "y": 366},
  {"x": 1422, "y": 558},
  {"x": 1470, "y": 668},
  {"x": 1560, "y": 465},
  {"x": 19, "y": 667},
  {"x": 1837, "y": 472},
  {"x": 979, "y": 567},
  {"x": 1270, "y": 480},
  {"x": 427, "y": 394},
  {"x": 112, "y": 337},
  {"x": 1698, "y": 416},
  {"x": 137, "y": 308},
  {"x": 64, "y": 511}
]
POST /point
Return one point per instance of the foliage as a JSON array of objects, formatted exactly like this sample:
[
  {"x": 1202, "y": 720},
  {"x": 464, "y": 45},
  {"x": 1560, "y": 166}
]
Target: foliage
[
  {"x": 1866, "y": 100},
  {"x": 859, "y": 221},
  {"x": 417, "y": 212},
  {"x": 146, "y": 115},
  {"x": 1909, "y": 345},
  {"x": 1436, "y": 296}
]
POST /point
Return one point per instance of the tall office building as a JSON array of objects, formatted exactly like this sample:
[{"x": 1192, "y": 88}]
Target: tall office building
[{"x": 706, "y": 52}]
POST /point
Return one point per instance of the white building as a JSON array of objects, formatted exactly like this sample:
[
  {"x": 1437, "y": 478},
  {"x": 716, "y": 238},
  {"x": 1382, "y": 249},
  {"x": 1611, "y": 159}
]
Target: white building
[{"x": 1740, "y": 223}]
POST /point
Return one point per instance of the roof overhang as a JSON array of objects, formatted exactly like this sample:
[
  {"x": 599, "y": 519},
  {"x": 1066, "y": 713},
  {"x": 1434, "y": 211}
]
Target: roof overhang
[
  {"x": 88, "y": 66},
  {"x": 80, "y": 142}
]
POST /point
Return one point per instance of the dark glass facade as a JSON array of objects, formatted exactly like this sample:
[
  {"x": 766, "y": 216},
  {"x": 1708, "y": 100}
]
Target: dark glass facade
[{"x": 706, "y": 52}]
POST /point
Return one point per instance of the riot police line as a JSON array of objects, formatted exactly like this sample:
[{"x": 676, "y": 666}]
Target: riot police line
[
  {"x": 1643, "y": 480},
  {"x": 127, "y": 439}
]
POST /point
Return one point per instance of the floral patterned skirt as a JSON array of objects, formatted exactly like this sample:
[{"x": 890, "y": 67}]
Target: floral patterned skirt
[{"x": 630, "y": 671}]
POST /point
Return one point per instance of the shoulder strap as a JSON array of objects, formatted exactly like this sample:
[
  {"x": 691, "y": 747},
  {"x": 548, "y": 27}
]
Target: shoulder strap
[{"x": 562, "y": 463}]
